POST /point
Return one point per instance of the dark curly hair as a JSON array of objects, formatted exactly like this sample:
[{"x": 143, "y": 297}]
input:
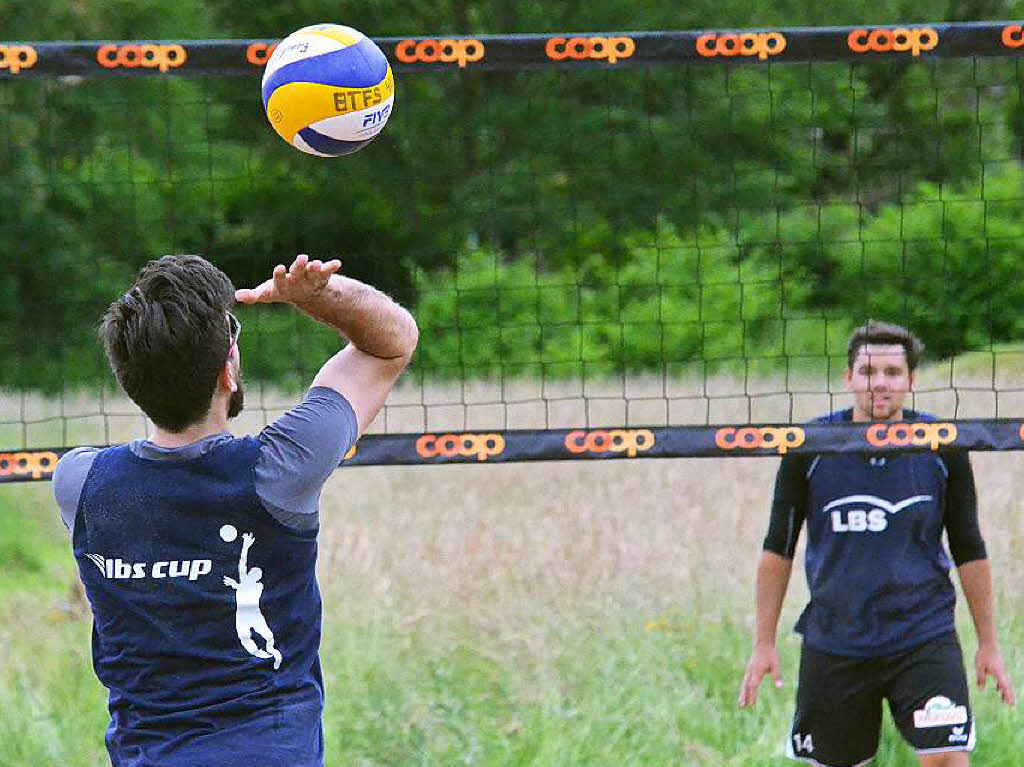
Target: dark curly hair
[{"x": 167, "y": 338}]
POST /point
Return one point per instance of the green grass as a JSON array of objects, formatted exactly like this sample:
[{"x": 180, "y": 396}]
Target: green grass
[{"x": 530, "y": 615}]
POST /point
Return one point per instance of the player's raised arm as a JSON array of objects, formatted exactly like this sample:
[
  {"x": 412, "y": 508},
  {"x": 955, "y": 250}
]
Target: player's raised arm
[{"x": 383, "y": 335}]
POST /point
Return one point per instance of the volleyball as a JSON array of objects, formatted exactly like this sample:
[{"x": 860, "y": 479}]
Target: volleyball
[{"x": 328, "y": 90}]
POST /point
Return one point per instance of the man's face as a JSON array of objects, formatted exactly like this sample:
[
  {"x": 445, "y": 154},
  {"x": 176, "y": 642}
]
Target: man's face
[{"x": 879, "y": 380}]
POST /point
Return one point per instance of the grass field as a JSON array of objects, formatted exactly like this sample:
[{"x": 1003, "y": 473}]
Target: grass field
[{"x": 549, "y": 614}]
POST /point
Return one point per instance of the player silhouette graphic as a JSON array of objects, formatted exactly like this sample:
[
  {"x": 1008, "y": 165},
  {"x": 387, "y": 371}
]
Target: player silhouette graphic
[{"x": 248, "y": 617}]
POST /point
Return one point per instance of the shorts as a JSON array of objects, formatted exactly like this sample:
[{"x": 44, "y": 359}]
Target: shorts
[{"x": 839, "y": 703}]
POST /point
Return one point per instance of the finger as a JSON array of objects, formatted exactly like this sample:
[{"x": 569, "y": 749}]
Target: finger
[
  {"x": 1005, "y": 687},
  {"x": 262, "y": 293},
  {"x": 299, "y": 263},
  {"x": 332, "y": 266},
  {"x": 777, "y": 678},
  {"x": 981, "y": 674},
  {"x": 748, "y": 695},
  {"x": 316, "y": 266},
  {"x": 280, "y": 277},
  {"x": 751, "y": 681}
]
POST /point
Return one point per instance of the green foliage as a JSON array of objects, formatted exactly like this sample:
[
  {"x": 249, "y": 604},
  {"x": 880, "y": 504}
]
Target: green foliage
[
  {"x": 946, "y": 251},
  {"x": 542, "y": 223}
]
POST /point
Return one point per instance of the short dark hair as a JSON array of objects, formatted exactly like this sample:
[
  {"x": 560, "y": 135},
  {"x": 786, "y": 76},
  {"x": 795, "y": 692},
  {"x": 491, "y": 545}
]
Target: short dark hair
[
  {"x": 167, "y": 338},
  {"x": 887, "y": 334}
]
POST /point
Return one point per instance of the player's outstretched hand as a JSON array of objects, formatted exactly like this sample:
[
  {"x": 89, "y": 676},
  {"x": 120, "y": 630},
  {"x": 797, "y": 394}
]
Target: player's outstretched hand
[
  {"x": 298, "y": 283},
  {"x": 989, "y": 661},
  {"x": 763, "y": 660}
]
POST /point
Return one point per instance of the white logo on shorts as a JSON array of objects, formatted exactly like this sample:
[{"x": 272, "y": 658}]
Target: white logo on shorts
[
  {"x": 958, "y": 736},
  {"x": 940, "y": 712}
]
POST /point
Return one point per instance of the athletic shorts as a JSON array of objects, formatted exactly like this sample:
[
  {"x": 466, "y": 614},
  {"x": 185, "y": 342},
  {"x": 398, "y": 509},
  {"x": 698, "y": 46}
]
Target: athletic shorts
[{"x": 839, "y": 703}]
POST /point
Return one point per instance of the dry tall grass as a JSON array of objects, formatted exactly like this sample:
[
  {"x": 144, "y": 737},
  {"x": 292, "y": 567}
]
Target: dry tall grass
[{"x": 526, "y": 551}]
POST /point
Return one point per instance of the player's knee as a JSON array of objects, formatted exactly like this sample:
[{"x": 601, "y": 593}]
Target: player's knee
[{"x": 948, "y": 759}]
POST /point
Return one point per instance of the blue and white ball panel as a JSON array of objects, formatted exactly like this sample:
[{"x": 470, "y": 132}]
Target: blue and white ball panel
[
  {"x": 311, "y": 142},
  {"x": 366, "y": 123},
  {"x": 327, "y": 62},
  {"x": 334, "y": 136}
]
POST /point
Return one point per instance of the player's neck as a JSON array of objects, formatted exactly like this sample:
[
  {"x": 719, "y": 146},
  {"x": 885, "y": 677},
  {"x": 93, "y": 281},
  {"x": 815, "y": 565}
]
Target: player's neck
[
  {"x": 215, "y": 422},
  {"x": 859, "y": 416}
]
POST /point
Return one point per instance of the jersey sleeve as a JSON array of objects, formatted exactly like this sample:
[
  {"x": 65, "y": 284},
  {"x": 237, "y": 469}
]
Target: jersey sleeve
[
  {"x": 69, "y": 477},
  {"x": 789, "y": 506},
  {"x": 299, "y": 451},
  {"x": 961, "y": 513}
]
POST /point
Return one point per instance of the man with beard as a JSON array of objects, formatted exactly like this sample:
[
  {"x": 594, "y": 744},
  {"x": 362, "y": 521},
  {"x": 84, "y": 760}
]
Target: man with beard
[
  {"x": 879, "y": 624},
  {"x": 197, "y": 549}
]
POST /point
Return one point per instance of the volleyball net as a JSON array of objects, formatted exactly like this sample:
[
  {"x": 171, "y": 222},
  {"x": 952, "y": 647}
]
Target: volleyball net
[{"x": 616, "y": 244}]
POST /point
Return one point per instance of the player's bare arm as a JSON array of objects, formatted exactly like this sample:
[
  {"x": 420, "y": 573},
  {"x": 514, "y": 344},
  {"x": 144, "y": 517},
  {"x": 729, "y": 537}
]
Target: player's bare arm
[
  {"x": 383, "y": 335},
  {"x": 976, "y": 580},
  {"x": 773, "y": 572}
]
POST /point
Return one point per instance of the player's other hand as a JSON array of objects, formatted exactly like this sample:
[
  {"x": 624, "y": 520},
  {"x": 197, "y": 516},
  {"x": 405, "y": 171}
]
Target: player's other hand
[
  {"x": 764, "y": 660},
  {"x": 989, "y": 661},
  {"x": 298, "y": 283}
]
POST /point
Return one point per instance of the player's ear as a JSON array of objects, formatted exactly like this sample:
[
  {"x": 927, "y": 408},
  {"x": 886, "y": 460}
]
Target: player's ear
[{"x": 227, "y": 378}]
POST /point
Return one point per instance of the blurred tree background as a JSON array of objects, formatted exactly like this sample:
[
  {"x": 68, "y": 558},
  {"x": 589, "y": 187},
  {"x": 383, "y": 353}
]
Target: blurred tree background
[{"x": 539, "y": 223}]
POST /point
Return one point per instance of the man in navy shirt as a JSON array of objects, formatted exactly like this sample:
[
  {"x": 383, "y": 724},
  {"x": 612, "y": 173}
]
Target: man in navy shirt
[
  {"x": 880, "y": 619},
  {"x": 197, "y": 549}
]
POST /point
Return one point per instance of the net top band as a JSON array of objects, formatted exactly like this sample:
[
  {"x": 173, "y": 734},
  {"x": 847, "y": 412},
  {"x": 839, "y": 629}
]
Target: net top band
[{"x": 906, "y": 42}]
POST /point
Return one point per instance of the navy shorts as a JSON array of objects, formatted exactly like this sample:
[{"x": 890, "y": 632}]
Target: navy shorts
[{"x": 839, "y": 703}]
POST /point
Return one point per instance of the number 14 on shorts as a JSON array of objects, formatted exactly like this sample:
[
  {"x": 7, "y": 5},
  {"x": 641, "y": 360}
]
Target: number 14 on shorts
[{"x": 803, "y": 743}]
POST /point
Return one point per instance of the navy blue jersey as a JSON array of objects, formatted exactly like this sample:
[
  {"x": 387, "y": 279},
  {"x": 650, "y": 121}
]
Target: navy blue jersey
[
  {"x": 206, "y": 612},
  {"x": 877, "y": 569}
]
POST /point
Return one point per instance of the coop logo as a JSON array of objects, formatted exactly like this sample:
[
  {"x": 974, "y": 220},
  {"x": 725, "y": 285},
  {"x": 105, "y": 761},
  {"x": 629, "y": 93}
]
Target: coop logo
[
  {"x": 866, "y": 513},
  {"x": 760, "y": 44},
  {"x": 610, "y": 49},
  {"x": 1013, "y": 36},
  {"x": 903, "y": 434},
  {"x": 628, "y": 441},
  {"x": 15, "y": 58},
  {"x": 36, "y": 464},
  {"x": 147, "y": 55},
  {"x": 940, "y": 711},
  {"x": 461, "y": 52},
  {"x": 900, "y": 40},
  {"x": 752, "y": 437},
  {"x": 479, "y": 446},
  {"x": 119, "y": 570},
  {"x": 258, "y": 54}
]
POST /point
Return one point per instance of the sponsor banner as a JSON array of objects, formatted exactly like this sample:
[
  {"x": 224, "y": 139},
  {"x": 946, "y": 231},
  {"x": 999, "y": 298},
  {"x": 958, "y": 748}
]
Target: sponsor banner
[
  {"x": 602, "y": 49},
  {"x": 25, "y": 465},
  {"x": 628, "y": 443},
  {"x": 631, "y": 443}
]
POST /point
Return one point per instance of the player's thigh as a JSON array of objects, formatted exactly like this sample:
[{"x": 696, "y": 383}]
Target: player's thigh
[
  {"x": 838, "y": 709},
  {"x": 929, "y": 698}
]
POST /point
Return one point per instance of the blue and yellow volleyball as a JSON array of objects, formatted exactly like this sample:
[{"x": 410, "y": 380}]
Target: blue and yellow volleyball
[{"x": 328, "y": 90}]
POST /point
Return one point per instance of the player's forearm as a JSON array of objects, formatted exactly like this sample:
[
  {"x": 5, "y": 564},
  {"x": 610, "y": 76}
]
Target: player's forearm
[
  {"x": 976, "y": 581},
  {"x": 368, "y": 318},
  {"x": 773, "y": 574}
]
